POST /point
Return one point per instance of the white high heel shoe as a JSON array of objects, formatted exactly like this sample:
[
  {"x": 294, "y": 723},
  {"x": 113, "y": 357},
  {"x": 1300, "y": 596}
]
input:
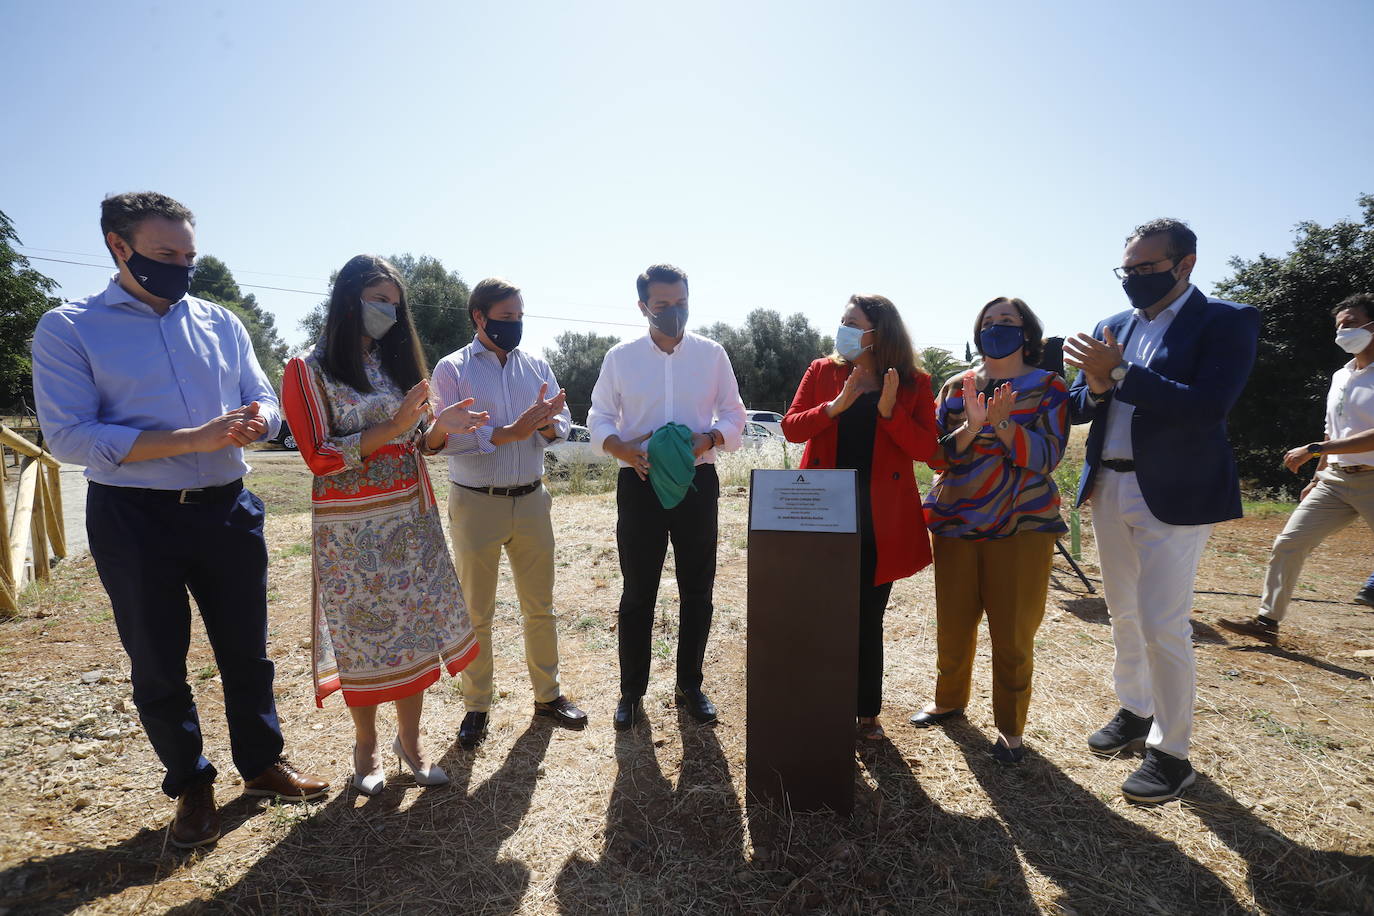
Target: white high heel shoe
[
  {"x": 367, "y": 783},
  {"x": 432, "y": 775}
]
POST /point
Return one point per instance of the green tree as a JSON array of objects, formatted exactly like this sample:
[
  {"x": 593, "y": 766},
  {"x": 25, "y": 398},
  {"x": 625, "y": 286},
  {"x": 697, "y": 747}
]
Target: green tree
[
  {"x": 1283, "y": 404},
  {"x": 769, "y": 355},
  {"x": 941, "y": 364},
  {"x": 214, "y": 281},
  {"x": 576, "y": 363},
  {"x": 24, "y": 297},
  {"x": 438, "y": 304}
]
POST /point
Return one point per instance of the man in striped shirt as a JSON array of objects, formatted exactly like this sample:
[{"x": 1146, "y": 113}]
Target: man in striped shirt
[{"x": 498, "y": 499}]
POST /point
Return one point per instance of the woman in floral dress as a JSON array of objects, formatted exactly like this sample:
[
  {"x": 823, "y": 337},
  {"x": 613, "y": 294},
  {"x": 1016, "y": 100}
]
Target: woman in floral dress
[{"x": 388, "y": 612}]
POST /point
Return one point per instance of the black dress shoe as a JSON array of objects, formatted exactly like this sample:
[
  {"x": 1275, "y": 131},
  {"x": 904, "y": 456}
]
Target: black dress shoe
[
  {"x": 562, "y": 711},
  {"x": 699, "y": 705},
  {"x": 473, "y": 730},
  {"x": 925, "y": 719},
  {"x": 627, "y": 713}
]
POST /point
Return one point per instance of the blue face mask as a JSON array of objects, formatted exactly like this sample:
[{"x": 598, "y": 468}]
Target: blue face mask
[
  {"x": 505, "y": 334},
  {"x": 999, "y": 340},
  {"x": 849, "y": 342},
  {"x": 165, "y": 281}
]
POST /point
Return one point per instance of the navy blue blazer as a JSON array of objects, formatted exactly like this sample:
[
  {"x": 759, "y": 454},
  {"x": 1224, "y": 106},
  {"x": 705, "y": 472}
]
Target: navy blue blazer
[{"x": 1183, "y": 460}]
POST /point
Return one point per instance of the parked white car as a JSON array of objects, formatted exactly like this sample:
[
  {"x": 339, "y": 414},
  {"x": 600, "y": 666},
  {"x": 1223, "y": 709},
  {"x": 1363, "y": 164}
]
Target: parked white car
[
  {"x": 576, "y": 449},
  {"x": 756, "y": 435},
  {"x": 768, "y": 419}
]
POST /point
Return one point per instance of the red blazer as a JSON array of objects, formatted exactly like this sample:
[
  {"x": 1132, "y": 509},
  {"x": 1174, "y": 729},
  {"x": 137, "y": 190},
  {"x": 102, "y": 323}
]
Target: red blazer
[{"x": 908, "y": 436}]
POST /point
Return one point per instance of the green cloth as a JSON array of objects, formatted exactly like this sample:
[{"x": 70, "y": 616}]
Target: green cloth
[{"x": 672, "y": 466}]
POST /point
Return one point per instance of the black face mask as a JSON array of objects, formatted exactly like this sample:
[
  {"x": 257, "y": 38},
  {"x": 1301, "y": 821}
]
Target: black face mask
[
  {"x": 1144, "y": 290},
  {"x": 505, "y": 334},
  {"x": 670, "y": 322},
  {"x": 165, "y": 281}
]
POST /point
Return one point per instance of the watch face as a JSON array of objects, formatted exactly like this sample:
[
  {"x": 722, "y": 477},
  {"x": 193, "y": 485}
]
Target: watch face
[{"x": 1118, "y": 373}]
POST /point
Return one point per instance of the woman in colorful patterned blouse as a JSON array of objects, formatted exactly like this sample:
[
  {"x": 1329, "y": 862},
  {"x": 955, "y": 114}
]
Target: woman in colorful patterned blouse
[
  {"x": 993, "y": 512},
  {"x": 388, "y": 612}
]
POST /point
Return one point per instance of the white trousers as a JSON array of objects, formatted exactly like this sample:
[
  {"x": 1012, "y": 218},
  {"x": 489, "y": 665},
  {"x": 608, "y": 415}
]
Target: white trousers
[{"x": 1148, "y": 568}]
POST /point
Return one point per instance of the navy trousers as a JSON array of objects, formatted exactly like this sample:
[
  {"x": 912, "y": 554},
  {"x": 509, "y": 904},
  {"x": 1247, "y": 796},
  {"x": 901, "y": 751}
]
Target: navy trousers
[
  {"x": 643, "y": 530},
  {"x": 150, "y": 550}
]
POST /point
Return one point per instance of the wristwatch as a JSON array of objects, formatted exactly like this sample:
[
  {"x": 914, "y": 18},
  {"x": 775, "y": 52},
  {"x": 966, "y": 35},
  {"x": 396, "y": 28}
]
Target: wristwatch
[
  {"x": 712, "y": 434},
  {"x": 1315, "y": 448},
  {"x": 1004, "y": 423},
  {"x": 1119, "y": 371}
]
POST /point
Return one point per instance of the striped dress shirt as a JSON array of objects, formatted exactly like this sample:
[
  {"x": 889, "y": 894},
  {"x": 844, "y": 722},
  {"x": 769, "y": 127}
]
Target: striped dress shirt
[{"x": 505, "y": 392}]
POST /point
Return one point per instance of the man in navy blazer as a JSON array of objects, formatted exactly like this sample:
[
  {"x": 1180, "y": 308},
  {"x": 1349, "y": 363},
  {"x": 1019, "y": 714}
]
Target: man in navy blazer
[{"x": 1157, "y": 382}]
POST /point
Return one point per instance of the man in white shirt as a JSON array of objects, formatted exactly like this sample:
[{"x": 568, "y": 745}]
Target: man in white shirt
[
  {"x": 1343, "y": 487},
  {"x": 498, "y": 499},
  {"x": 667, "y": 376}
]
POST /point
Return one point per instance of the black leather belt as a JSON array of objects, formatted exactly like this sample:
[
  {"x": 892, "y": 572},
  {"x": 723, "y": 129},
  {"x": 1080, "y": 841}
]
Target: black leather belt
[
  {"x": 192, "y": 497},
  {"x": 1123, "y": 465},
  {"x": 504, "y": 491}
]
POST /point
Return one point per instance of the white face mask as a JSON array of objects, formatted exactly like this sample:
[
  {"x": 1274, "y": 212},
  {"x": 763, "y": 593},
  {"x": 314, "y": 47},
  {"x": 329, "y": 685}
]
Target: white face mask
[
  {"x": 849, "y": 342},
  {"x": 378, "y": 317},
  {"x": 1353, "y": 340}
]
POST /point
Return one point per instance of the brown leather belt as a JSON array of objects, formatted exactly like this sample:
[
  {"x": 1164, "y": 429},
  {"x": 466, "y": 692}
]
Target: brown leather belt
[{"x": 1356, "y": 468}]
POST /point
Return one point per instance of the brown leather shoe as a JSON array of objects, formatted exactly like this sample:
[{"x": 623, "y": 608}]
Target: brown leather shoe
[
  {"x": 562, "y": 711},
  {"x": 283, "y": 782},
  {"x": 1258, "y": 627},
  {"x": 197, "y": 819}
]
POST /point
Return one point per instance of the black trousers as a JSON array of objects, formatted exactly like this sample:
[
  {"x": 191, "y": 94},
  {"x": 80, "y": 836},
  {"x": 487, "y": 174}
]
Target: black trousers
[
  {"x": 149, "y": 550},
  {"x": 642, "y": 532},
  {"x": 872, "y": 607}
]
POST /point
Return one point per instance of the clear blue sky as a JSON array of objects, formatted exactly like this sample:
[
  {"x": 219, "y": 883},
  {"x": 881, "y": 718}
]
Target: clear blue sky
[{"x": 784, "y": 154}]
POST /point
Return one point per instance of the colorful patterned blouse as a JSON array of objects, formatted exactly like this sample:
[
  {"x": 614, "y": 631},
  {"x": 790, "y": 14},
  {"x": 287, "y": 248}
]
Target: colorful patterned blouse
[{"x": 990, "y": 491}]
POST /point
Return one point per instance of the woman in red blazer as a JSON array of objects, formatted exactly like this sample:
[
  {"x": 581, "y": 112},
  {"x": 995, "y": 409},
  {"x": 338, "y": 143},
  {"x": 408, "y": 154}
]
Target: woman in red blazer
[{"x": 868, "y": 407}]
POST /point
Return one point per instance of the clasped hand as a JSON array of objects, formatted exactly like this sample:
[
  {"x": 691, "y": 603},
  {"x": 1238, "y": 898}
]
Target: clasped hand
[
  {"x": 238, "y": 427},
  {"x": 1095, "y": 358},
  {"x": 980, "y": 410}
]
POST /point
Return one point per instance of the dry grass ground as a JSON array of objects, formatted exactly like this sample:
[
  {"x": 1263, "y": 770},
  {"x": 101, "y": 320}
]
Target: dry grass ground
[{"x": 656, "y": 820}]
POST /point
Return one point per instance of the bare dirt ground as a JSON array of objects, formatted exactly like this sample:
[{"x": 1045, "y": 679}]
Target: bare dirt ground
[{"x": 543, "y": 821}]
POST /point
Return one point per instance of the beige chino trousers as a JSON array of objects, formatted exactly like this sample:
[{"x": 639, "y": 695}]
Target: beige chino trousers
[
  {"x": 1339, "y": 498},
  {"x": 481, "y": 526}
]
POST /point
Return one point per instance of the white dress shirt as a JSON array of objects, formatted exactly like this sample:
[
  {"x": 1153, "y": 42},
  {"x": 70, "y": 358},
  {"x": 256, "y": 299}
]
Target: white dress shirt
[
  {"x": 641, "y": 388},
  {"x": 1350, "y": 409},
  {"x": 505, "y": 392},
  {"x": 1140, "y": 347}
]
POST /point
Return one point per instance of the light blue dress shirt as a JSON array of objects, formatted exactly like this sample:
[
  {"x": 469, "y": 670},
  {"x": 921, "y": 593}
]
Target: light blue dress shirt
[
  {"x": 505, "y": 392},
  {"x": 108, "y": 367}
]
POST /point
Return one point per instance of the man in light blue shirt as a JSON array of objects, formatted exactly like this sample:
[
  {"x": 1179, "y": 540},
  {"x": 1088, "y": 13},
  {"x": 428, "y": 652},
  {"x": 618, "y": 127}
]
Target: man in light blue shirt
[
  {"x": 156, "y": 393},
  {"x": 498, "y": 501}
]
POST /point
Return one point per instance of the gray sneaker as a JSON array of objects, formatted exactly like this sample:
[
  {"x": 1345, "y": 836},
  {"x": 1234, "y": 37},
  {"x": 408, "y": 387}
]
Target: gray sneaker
[
  {"x": 1124, "y": 731},
  {"x": 1162, "y": 777}
]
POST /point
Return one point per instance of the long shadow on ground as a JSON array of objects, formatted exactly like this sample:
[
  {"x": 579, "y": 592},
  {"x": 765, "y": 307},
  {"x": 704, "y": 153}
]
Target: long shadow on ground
[{"x": 667, "y": 849}]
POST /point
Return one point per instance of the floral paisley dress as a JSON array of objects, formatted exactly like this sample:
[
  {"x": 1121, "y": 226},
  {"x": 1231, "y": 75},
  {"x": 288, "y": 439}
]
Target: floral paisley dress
[{"x": 387, "y": 609}]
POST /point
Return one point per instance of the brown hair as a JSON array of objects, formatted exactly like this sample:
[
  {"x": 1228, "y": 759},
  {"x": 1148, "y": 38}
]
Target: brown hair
[
  {"x": 122, "y": 213},
  {"x": 658, "y": 273},
  {"x": 892, "y": 347},
  {"x": 398, "y": 349},
  {"x": 489, "y": 292},
  {"x": 1033, "y": 330}
]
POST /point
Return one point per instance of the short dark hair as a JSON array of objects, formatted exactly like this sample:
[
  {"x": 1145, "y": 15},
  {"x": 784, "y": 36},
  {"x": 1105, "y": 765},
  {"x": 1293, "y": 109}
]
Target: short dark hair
[
  {"x": 658, "y": 273},
  {"x": 1032, "y": 330},
  {"x": 1363, "y": 301},
  {"x": 489, "y": 292},
  {"x": 122, "y": 213},
  {"x": 399, "y": 350},
  {"x": 1182, "y": 240}
]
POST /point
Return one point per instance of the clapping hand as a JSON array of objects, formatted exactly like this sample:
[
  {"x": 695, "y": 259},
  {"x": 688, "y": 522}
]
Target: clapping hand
[
  {"x": 456, "y": 419},
  {"x": 853, "y": 387},
  {"x": 1000, "y": 404},
  {"x": 539, "y": 414},
  {"x": 238, "y": 427},
  {"x": 888, "y": 399},
  {"x": 975, "y": 405},
  {"x": 413, "y": 409},
  {"x": 1096, "y": 358}
]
